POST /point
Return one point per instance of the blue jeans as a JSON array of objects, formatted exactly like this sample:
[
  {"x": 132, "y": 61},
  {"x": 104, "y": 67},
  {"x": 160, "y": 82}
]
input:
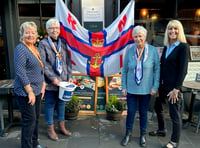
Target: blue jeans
[
  {"x": 30, "y": 117},
  {"x": 132, "y": 101},
  {"x": 53, "y": 103}
]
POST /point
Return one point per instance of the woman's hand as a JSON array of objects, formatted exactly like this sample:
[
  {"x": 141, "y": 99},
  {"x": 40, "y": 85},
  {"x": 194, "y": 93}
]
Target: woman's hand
[
  {"x": 31, "y": 97},
  {"x": 154, "y": 93},
  {"x": 124, "y": 92},
  {"x": 43, "y": 90},
  {"x": 56, "y": 82},
  {"x": 173, "y": 96},
  {"x": 70, "y": 80}
]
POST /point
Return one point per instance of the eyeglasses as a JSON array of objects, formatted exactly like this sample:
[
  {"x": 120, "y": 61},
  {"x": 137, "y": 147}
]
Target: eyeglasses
[{"x": 54, "y": 28}]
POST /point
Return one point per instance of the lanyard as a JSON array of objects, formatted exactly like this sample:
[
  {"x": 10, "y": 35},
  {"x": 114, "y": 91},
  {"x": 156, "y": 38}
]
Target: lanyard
[
  {"x": 35, "y": 52},
  {"x": 54, "y": 48},
  {"x": 139, "y": 54}
]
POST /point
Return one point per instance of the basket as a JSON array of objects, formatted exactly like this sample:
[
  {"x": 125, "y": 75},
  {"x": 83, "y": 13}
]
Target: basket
[{"x": 65, "y": 90}]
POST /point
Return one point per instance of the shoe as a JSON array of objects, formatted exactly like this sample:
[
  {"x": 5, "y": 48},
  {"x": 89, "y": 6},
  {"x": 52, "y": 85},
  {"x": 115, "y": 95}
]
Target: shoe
[
  {"x": 126, "y": 139},
  {"x": 51, "y": 133},
  {"x": 161, "y": 133},
  {"x": 143, "y": 141},
  {"x": 63, "y": 130},
  {"x": 40, "y": 146},
  {"x": 172, "y": 145}
]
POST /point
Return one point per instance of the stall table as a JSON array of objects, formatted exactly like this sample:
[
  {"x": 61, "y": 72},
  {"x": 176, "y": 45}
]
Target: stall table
[{"x": 6, "y": 94}]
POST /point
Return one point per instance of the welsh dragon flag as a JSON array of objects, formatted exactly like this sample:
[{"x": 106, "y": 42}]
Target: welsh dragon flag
[{"x": 101, "y": 53}]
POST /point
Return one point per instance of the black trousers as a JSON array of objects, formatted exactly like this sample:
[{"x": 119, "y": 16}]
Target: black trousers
[
  {"x": 30, "y": 116},
  {"x": 174, "y": 112}
]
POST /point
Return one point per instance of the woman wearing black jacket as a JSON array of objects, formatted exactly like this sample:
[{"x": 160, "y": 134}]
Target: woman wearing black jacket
[{"x": 173, "y": 69}]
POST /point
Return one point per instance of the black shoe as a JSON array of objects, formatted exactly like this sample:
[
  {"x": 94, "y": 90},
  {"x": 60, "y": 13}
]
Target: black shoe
[
  {"x": 143, "y": 141},
  {"x": 40, "y": 146},
  {"x": 126, "y": 139},
  {"x": 172, "y": 145},
  {"x": 161, "y": 133}
]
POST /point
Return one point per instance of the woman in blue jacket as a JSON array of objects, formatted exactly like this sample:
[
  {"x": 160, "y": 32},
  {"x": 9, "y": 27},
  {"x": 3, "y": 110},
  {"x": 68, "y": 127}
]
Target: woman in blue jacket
[{"x": 140, "y": 80}]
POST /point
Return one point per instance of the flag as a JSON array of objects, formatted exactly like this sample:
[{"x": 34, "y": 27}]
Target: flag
[{"x": 101, "y": 53}]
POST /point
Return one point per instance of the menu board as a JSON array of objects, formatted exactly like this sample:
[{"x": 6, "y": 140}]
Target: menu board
[
  {"x": 114, "y": 88},
  {"x": 85, "y": 90}
]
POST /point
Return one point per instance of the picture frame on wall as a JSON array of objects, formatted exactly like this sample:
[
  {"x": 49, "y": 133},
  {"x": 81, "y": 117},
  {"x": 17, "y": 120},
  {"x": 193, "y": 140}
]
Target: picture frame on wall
[{"x": 195, "y": 53}]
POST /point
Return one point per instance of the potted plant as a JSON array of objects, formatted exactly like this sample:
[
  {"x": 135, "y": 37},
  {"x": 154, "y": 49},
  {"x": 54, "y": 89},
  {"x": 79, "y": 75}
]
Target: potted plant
[
  {"x": 114, "y": 108},
  {"x": 72, "y": 108}
]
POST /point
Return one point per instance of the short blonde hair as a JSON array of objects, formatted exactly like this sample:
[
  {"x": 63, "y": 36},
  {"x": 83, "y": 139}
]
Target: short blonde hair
[
  {"x": 181, "y": 34},
  {"x": 24, "y": 26},
  {"x": 52, "y": 21},
  {"x": 139, "y": 29}
]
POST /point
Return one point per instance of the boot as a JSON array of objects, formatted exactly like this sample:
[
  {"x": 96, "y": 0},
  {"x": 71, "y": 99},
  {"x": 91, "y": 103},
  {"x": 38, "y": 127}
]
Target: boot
[
  {"x": 126, "y": 139},
  {"x": 142, "y": 140},
  {"x": 61, "y": 126},
  {"x": 51, "y": 133}
]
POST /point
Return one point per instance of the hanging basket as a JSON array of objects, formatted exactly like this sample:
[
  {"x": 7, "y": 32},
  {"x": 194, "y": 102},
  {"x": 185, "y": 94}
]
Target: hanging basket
[{"x": 115, "y": 116}]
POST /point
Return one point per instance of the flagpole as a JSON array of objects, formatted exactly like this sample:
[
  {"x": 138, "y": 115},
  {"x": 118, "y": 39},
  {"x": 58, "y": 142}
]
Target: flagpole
[{"x": 118, "y": 7}]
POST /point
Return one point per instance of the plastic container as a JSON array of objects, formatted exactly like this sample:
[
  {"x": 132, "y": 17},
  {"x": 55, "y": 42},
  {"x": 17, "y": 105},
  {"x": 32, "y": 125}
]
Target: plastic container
[{"x": 65, "y": 90}]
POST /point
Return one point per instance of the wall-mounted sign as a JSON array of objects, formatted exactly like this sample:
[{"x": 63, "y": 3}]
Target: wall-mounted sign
[
  {"x": 195, "y": 53},
  {"x": 93, "y": 15}
]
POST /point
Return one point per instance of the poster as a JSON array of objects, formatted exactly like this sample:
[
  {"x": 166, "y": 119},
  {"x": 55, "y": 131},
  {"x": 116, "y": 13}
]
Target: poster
[
  {"x": 101, "y": 96},
  {"x": 85, "y": 90}
]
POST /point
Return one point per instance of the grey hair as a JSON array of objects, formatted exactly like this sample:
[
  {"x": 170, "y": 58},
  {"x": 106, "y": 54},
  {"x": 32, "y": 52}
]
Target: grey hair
[
  {"x": 24, "y": 26},
  {"x": 52, "y": 21},
  {"x": 139, "y": 29}
]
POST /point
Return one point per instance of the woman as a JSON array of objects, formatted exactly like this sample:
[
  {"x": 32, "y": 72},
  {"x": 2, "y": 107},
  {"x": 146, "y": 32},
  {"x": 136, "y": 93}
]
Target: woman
[
  {"x": 174, "y": 62},
  {"x": 58, "y": 68},
  {"x": 29, "y": 86},
  {"x": 140, "y": 80}
]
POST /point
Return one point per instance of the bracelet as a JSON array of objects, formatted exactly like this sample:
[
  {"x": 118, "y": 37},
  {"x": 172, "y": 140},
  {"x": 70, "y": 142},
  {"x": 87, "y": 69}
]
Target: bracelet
[{"x": 29, "y": 91}]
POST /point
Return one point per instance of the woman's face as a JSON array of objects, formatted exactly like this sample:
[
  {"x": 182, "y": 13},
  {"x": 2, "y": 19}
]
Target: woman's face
[
  {"x": 139, "y": 40},
  {"x": 30, "y": 35},
  {"x": 54, "y": 31},
  {"x": 173, "y": 33}
]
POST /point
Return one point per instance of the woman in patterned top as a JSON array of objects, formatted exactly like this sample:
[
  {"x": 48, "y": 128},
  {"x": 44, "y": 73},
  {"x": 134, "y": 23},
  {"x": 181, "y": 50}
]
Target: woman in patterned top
[
  {"x": 29, "y": 86},
  {"x": 58, "y": 68}
]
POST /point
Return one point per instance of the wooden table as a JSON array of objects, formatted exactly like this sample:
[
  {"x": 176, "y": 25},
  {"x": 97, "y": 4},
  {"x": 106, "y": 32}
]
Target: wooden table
[
  {"x": 6, "y": 94},
  {"x": 194, "y": 87}
]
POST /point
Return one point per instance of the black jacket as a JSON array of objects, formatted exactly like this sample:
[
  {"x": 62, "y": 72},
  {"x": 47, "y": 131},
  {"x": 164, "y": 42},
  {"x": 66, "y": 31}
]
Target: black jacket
[{"x": 174, "y": 67}]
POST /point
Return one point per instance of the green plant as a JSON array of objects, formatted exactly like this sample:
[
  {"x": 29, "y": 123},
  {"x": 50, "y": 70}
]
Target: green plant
[
  {"x": 74, "y": 105},
  {"x": 115, "y": 105}
]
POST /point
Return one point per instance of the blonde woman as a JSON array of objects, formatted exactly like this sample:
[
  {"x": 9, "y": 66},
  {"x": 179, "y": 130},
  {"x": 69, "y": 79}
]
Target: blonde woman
[
  {"x": 29, "y": 86},
  {"x": 174, "y": 63}
]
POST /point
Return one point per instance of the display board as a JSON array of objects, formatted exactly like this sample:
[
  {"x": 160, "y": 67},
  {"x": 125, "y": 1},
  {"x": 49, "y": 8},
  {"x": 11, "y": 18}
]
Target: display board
[
  {"x": 85, "y": 90},
  {"x": 101, "y": 94},
  {"x": 114, "y": 87}
]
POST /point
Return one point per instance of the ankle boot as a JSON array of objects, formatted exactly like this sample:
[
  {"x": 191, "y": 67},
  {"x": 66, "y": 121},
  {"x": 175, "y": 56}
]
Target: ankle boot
[
  {"x": 143, "y": 140},
  {"x": 51, "y": 133},
  {"x": 126, "y": 139},
  {"x": 61, "y": 126}
]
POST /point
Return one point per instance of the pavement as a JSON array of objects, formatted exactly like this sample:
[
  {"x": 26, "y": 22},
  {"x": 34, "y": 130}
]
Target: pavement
[{"x": 95, "y": 131}]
